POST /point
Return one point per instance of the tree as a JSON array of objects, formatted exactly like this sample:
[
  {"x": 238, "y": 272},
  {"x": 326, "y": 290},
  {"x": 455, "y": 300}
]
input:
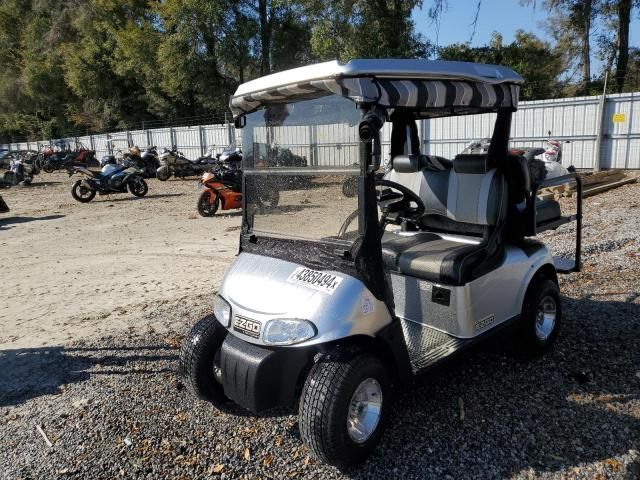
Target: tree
[
  {"x": 532, "y": 58},
  {"x": 570, "y": 25},
  {"x": 623, "y": 8},
  {"x": 346, "y": 29}
]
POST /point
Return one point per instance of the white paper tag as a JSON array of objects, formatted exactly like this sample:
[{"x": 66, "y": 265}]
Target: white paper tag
[{"x": 325, "y": 282}]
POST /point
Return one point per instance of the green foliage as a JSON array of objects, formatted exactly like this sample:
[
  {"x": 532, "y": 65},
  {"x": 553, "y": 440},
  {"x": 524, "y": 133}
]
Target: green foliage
[
  {"x": 95, "y": 65},
  {"x": 346, "y": 29},
  {"x": 532, "y": 58}
]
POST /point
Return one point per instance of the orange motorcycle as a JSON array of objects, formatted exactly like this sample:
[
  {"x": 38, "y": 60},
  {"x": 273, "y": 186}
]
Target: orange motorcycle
[{"x": 223, "y": 190}]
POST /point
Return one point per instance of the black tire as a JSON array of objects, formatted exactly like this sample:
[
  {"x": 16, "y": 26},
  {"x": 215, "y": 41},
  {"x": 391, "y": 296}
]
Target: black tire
[
  {"x": 82, "y": 194},
  {"x": 48, "y": 168},
  {"x": 10, "y": 178},
  {"x": 163, "y": 174},
  {"x": 205, "y": 207},
  {"x": 535, "y": 334},
  {"x": 325, "y": 403},
  {"x": 138, "y": 187},
  {"x": 350, "y": 187},
  {"x": 198, "y": 355}
]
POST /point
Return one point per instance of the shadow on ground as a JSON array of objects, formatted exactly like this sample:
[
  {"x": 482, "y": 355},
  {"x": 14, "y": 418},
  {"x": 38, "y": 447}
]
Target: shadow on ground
[
  {"x": 131, "y": 197},
  {"x": 15, "y": 220},
  {"x": 27, "y": 373}
]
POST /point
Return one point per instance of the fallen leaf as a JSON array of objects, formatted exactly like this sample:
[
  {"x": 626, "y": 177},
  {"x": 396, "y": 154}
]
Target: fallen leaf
[
  {"x": 613, "y": 463},
  {"x": 247, "y": 454},
  {"x": 267, "y": 460},
  {"x": 279, "y": 441},
  {"x": 218, "y": 468}
]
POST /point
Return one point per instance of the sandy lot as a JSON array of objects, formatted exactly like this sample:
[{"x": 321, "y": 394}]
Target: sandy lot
[{"x": 73, "y": 271}]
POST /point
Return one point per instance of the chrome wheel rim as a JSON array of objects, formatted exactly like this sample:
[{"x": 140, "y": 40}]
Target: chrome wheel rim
[
  {"x": 546, "y": 317},
  {"x": 365, "y": 410}
]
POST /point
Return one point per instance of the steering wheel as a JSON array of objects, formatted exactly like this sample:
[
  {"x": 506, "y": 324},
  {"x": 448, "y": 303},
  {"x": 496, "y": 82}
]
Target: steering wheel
[{"x": 396, "y": 208}]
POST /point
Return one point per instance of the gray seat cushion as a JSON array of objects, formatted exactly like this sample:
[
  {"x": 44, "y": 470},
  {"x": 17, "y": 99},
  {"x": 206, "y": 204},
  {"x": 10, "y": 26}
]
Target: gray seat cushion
[{"x": 430, "y": 257}]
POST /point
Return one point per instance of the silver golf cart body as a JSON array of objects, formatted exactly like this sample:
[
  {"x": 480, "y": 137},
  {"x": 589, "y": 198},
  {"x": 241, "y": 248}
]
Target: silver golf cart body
[{"x": 439, "y": 313}]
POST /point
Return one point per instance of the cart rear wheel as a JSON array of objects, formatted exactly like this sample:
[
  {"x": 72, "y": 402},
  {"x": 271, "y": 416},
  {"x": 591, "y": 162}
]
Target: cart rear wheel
[
  {"x": 343, "y": 408},
  {"x": 200, "y": 360},
  {"x": 541, "y": 315}
]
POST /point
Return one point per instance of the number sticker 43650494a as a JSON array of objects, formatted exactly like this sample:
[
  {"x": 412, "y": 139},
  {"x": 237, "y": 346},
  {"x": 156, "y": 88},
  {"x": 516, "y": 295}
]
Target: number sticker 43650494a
[{"x": 325, "y": 282}]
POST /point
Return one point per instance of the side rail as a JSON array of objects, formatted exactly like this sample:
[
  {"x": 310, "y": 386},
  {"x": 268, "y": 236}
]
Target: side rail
[{"x": 538, "y": 225}]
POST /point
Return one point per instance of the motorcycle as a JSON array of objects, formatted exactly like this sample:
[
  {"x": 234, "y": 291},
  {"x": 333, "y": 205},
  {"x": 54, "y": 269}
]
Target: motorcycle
[
  {"x": 22, "y": 169},
  {"x": 62, "y": 156},
  {"x": 113, "y": 178},
  {"x": 147, "y": 162},
  {"x": 223, "y": 189},
  {"x": 231, "y": 156},
  {"x": 173, "y": 162}
]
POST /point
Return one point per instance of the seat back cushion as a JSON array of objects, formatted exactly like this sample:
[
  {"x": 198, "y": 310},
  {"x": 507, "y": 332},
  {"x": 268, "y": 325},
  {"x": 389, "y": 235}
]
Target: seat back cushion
[
  {"x": 471, "y": 193},
  {"x": 430, "y": 186},
  {"x": 475, "y": 191}
]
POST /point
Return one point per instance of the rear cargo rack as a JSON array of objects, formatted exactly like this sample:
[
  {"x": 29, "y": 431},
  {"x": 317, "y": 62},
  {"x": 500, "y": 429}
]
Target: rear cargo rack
[{"x": 563, "y": 265}]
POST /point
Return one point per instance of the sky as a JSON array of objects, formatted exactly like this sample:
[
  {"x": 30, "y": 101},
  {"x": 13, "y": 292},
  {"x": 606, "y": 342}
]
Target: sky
[{"x": 503, "y": 16}]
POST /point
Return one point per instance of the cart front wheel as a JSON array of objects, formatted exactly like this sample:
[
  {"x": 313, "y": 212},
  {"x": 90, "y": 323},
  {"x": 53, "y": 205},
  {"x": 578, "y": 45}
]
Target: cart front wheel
[
  {"x": 343, "y": 408},
  {"x": 200, "y": 360}
]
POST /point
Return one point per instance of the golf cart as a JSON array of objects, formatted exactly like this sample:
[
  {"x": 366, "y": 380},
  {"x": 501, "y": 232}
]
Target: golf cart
[{"x": 332, "y": 299}]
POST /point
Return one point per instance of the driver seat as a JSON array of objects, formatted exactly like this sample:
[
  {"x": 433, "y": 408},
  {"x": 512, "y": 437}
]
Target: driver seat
[{"x": 463, "y": 205}]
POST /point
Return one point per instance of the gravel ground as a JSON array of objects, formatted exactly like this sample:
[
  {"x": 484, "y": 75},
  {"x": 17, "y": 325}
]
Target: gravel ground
[{"x": 113, "y": 407}]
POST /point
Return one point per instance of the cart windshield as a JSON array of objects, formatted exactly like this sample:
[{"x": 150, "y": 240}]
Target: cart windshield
[{"x": 301, "y": 170}]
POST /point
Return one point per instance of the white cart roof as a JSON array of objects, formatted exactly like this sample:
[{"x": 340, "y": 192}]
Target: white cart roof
[{"x": 434, "y": 87}]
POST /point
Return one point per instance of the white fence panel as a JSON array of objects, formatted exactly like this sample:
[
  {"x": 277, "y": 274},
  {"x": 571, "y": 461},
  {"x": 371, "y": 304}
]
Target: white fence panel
[
  {"x": 161, "y": 138},
  {"x": 100, "y": 146},
  {"x": 138, "y": 138},
  {"x": 574, "y": 121},
  {"x": 188, "y": 141},
  {"x": 621, "y": 143},
  {"x": 218, "y": 137}
]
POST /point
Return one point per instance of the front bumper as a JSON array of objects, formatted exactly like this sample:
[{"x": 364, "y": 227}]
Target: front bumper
[{"x": 259, "y": 378}]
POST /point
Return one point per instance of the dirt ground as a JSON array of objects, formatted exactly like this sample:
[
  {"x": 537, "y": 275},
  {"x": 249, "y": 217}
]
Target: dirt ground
[{"x": 72, "y": 271}]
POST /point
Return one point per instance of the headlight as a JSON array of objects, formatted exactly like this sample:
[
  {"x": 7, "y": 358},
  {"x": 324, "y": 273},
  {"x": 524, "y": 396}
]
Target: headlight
[
  {"x": 222, "y": 311},
  {"x": 287, "y": 331}
]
